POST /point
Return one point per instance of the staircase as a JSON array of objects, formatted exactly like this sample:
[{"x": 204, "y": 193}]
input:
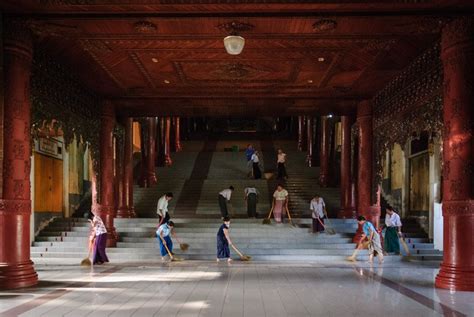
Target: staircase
[
  {"x": 64, "y": 241},
  {"x": 198, "y": 173}
]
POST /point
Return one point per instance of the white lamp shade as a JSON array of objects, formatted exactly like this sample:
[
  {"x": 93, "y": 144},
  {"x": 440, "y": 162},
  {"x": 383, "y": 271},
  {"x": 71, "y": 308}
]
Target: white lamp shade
[{"x": 234, "y": 44}]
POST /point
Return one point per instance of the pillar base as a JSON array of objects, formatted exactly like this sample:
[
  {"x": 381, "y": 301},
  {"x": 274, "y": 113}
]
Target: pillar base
[
  {"x": 455, "y": 278},
  {"x": 323, "y": 180},
  {"x": 148, "y": 180},
  {"x": 168, "y": 160},
  {"x": 347, "y": 213},
  {"x": 17, "y": 275},
  {"x": 124, "y": 212}
]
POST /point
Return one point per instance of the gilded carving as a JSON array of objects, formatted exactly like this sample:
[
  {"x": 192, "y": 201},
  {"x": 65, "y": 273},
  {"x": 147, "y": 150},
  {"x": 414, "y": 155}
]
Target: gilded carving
[
  {"x": 58, "y": 95},
  {"x": 145, "y": 27},
  {"x": 324, "y": 25},
  {"x": 19, "y": 189},
  {"x": 19, "y": 150},
  {"x": 408, "y": 105},
  {"x": 235, "y": 27}
]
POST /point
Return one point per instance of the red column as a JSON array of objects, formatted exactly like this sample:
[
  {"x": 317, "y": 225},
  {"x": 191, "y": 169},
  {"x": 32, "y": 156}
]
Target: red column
[
  {"x": 16, "y": 268},
  {"x": 301, "y": 133},
  {"x": 168, "y": 160},
  {"x": 106, "y": 206},
  {"x": 126, "y": 203},
  {"x": 324, "y": 153},
  {"x": 151, "y": 174},
  {"x": 364, "y": 177},
  {"x": 177, "y": 134},
  {"x": 310, "y": 141},
  {"x": 457, "y": 54},
  {"x": 347, "y": 210}
]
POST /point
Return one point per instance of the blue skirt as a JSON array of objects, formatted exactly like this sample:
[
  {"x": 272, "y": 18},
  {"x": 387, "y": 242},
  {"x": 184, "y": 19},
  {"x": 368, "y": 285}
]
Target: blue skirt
[
  {"x": 223, "y": 251},
  {"x": 169, "y": 244}
]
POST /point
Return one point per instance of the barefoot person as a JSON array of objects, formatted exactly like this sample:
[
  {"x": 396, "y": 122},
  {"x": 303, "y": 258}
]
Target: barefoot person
[
  {"x": 318, "y": 208},
  {"x": 99, "y": 256},
  {"x": 281, "y": 160},
  {"x": 394, "y": 230},
  {"x": 162, "y": 208},
  {"x": 223, "y": 197},
  {"x": 251, "y": 196},
  {"x": 223, "y": 241},
  {"x": 371, "y": 235},
  {"x": 280, "y": 202},
  {"x": 248, "y": 155},
  {"x": 163, "y": 235},
  {"x": 257, "y": 173}
]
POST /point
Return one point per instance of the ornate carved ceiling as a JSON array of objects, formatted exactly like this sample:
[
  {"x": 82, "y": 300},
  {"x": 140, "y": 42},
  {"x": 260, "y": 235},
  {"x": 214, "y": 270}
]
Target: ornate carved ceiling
[{"x": 177, "y": 64}]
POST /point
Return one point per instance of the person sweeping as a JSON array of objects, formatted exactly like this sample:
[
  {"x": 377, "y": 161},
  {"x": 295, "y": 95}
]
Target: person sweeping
[
  {"x": 373, "y": 238},
  {"x": 163, "y": 235},
  {"x": 393, "y": 231},
  {"x": 223, "y": 241}
]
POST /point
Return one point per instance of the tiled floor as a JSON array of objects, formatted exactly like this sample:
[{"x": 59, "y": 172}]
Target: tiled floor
[{"x": 237, "y": 289}]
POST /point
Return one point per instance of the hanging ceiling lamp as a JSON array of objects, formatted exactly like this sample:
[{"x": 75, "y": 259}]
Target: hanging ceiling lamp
[{"x": 234, "y": 43}]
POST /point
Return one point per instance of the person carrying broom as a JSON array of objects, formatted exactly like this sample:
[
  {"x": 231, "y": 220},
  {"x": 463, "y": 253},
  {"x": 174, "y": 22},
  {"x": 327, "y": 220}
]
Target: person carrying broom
[
  {"x": 318, "y": 208},
  {"x": 163, "y": 235},
  {"x": 223, "y": 241}
]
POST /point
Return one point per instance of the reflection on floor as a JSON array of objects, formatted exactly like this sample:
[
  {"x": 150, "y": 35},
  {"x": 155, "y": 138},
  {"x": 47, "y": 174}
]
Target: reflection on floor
[{"x": 238, "y": 289}]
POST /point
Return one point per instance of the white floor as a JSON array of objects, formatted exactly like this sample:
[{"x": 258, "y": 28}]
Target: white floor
[{"x": 237, "y": 289}]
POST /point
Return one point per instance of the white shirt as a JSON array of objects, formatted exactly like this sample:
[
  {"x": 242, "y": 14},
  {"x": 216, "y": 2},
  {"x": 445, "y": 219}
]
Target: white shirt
[
  {"x": 317, "y": 207},
  {"x": 280, "y": 195},
  {"x": 99, "y": 226},
  {"x": 250, "y": 190},
  {"x": 163, "y": 206},
  {"x": 226, "y": 193},
  {"x": 393, "y": 220},
  {"x": 165, "y": 229},
  {"x": 255, "y": 158},
  {"x": 281, "y": 158}
]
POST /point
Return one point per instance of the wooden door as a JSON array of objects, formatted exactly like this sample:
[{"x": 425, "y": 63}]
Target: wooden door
[
  {"x": 48, "y": 184},
  {"x": 419, "y": 184}
]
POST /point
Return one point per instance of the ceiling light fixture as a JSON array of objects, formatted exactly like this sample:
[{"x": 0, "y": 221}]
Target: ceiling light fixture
[
  {"x": 154, "y": 60},
  {"x": 330, "y": 115},
  {"x": 320, "y": 59},
  {"x": 234, "y": 43},
  {"x": 166, "y": 81},
  {"x": 310, "y": 81}
]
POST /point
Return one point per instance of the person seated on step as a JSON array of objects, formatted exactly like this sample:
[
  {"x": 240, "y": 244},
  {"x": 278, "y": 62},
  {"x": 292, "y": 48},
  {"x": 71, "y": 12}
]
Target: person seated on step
[
  {"x": 223, "y": 241},
  {"x": 318, "y": 211},
  {"x": 223, "y": 198},
  {"x": 163, "y": 235},
  {"x": 251, "y": 196},
  {"x": 162, "y": 208}
]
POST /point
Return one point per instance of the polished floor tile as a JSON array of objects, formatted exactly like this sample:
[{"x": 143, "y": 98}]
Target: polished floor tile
[{"x": 237, "y": 289}]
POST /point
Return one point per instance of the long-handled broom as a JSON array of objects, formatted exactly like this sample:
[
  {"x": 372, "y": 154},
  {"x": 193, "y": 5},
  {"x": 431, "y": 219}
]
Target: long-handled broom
[
  {"x": 328, "y": 230},
  {"x": 405, "y": 246},
  {"x": 183, "y": 246},
  {"x": 267, "y": 220},
  {"x": 243, "y": 257},
  {"x": 172, "y": 257},
  {"x": 365, "y": 245},
  {"x": 289, "y": 216},
  {"x": 87, "y": 261}
]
